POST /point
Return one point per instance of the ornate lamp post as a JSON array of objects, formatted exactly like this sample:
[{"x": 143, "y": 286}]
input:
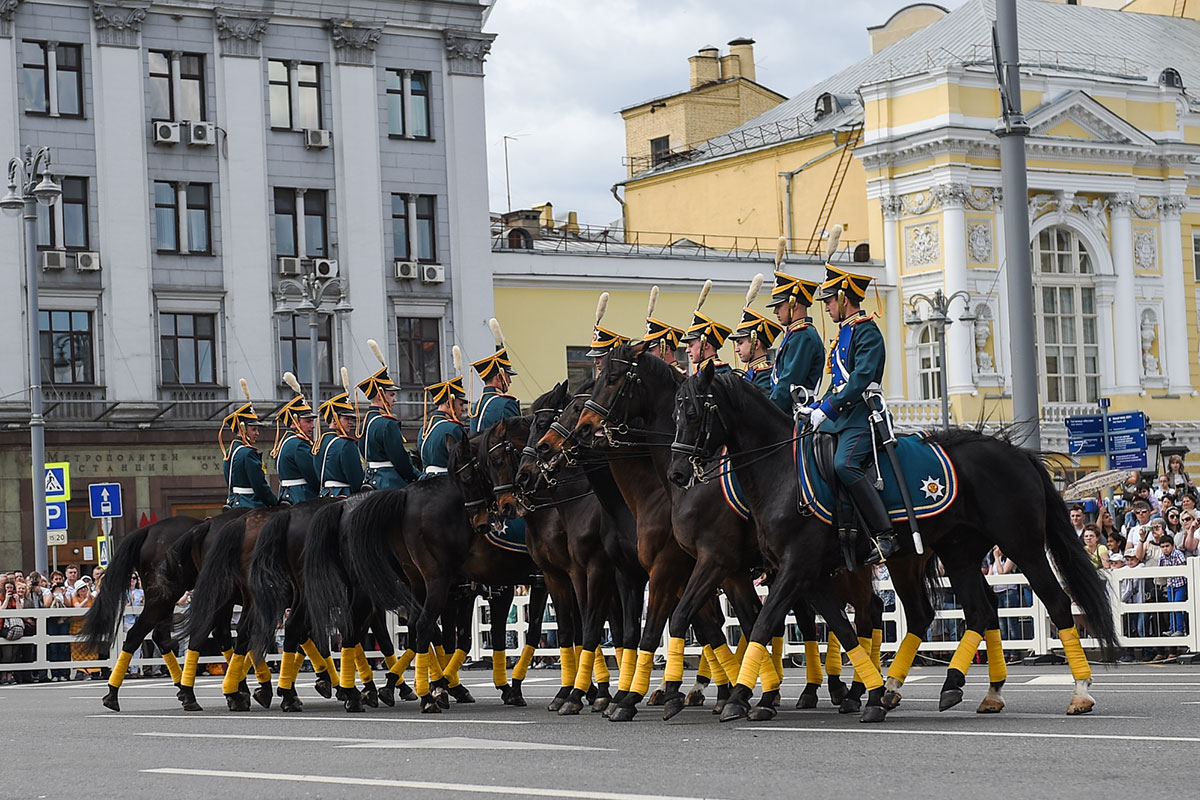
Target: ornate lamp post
[
  {"x": 306, "y": 295},
  {"x": 25, "y": 193},
  {"x": 939, "y": 317}
]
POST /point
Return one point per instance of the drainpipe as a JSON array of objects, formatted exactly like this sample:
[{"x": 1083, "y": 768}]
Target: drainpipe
[
  {"x": 788, "y": 176},
  {"x": 624, "y": 211}
]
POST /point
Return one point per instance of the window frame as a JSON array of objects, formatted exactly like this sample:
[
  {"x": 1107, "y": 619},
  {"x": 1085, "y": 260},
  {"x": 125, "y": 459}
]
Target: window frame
[
  {"x": 1196, "y": 255},
  {"x": 929, "y": 376},
  {"x": 427, "y": 94},
  {"x": 74, "y": 338},
  {"x": 174, "y": 206},
  {"x": 176, "y": 381},
  {"x": 431, "y": 219},
  {"x": 323, "y": 215},
  {"x": 77, "y": 71},
  {"x": 184, "y": 77},
  {"x": 301, "y": 85},
  {"x": 152, "y": 76},
  {"x": 398, "y": 93},
  {"x": 207, "y": 207},
  {"x": 1079, "y": 385},
  {"x": 421, "y": 218},
  {"x": 291, "y": 194},
  {"x": 77, "y": 181},
  {"x": 44, "y": 68},
  {"x": 298, "y": 342},
  {"x": 286, "y": 84},
  {"x": 656, "y": 156},
  {"x": 411, "y": 348}
]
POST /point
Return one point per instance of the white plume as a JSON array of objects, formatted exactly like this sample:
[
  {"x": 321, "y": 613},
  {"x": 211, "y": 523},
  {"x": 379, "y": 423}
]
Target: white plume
[
  {"x": 653, "y": 302},
  {"x": 245, "y": 387},
  {"x": 456, "y": 352},
  {"x": 780, "y": 251},
  {"x": 755, "y": 286},
  {"x": 601, "y": 307},
  {"x": 374, "y": 345},
  {"x": 704, "y": 294},
  {"x": 346, "y": 379},
  {"x": 835, "y": 238},
  {"x": 290, "y": 379},
  {"x": 494, "y": 324}
]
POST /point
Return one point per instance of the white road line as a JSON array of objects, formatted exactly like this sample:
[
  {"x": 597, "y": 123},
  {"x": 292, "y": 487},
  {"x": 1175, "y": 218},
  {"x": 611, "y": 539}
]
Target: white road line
[
  {"x": 998, "y": 734},
  {"x": 440, "y": 743},
  {"x": 431, "y": 786},
  {"x": 316, "y": 718}
]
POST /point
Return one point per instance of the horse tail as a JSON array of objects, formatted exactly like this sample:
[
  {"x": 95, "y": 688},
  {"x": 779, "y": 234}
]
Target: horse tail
[
  {"x": 1085, "y": 585},
  {"x": 100, "y": 623},
  {"x": 217, "y": 583},
  {"x": 326, "y": 582},
  {"x": 368, "y": 547},
  {"x": 270, "y": 583}
]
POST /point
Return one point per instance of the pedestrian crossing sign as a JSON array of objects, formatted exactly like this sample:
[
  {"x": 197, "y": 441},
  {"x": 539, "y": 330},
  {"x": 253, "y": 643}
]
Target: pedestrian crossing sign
[{"x": 58, "y": 482}]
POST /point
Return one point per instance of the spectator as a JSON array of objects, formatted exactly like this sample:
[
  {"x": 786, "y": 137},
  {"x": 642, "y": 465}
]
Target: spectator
[
  {"x": 81, "y": 598},
  {"x": 1163, "y": 491},
  {"x": 1009, "y": 595},
  {"x": 1190, "y": 542},
  {"x": 1177, "y": 477},
  {"x": 11, "y": 630},
  {"x": 1176, "y": 585},
  {"x": 1077, "y": 519},
  {"x": 1174, "y": 525},
  {"x": 1097, "y": 552},
  {"x": 1133, "y": 591},
  {"x": 58, "y": 626},
  {"x": 1134, "y": 533},
  {"x": 1116, "y": 550},
  {"x": 1104, "y": 519},
  {"x": 1187, "y": 501}
]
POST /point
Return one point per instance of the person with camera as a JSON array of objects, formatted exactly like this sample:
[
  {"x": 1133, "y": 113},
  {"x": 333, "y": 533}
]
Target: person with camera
[
  {"x": 58, "y": 626},
  {"x": 11, "y": 630}
]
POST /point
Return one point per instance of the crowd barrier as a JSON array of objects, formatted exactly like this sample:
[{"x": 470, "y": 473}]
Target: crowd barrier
[{"x": 1025, "y": 625}]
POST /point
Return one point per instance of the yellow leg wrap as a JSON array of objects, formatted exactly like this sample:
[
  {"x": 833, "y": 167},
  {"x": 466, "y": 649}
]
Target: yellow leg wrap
[
  {"x": 777, "y": 656},
  {"x": 456, "y": 661},
  {"x": 812, "y": 663},
  {"x": 233, "y": 674},
  {"x": 641, "y": 676},
  {"x": 402, "y": 663},
  {"x": 620, "y": 656},
  {"x": 752, "y": 664},
  {"x": 705, "y": 668},
  {"x": 118, "y": 672},
  {"x": 583, "y": 675},
  {"x": 903, "y": 661},
  {"x": 365, "y": 674},
  {"x": 770, "y": 678},
  {"x": 877, "y": 649},
  {"x": 421, "y": 681},
  {"x": 244, "y": 669},
  {"x": 728, "y": 662},
  {"x": 1081, "y": 670},
  {"x": 997, "y": 669},
  {"x": 349, "y": 665},
  {"x": 499, "y": 668},
  {"x": 288, "y": 670},
  {"x": 567, "y": 665},
  {"x": 228, "y": 654},
  {"x": 833, "y": 657},
  {"x": 190, "y": 661},
  {"x": 522, "y": 666},
  {"x": 743, "y": 643},
  {"x": 389, "y": 661},
  {"x": 865, "y": 670},
  {"x": 600, "y": 667},
  {"x": 435, "y": 666},
  {"x": 173, "y": 667},
  {"x": 627, "y": 669},
  {"x": 865, "y": 644},
  {"x": 674, "y": 670},
  {"x": 965, "y": 652},
  {"x": 442, "y": 656},
  {"x": 314, "y": 655},
  {"x": 262, "y": 670}
]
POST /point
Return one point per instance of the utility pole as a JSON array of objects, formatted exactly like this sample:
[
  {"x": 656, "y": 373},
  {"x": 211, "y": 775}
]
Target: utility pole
[
  {"x": 507, "y": 187},
  {"x": 1012, "y": 133}
]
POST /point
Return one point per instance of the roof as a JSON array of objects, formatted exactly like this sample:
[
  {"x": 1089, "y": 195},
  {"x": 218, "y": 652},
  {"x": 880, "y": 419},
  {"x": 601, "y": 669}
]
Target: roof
[
  {"x": 703, "y": 87},
  {"x": 1053, "y": 37}
]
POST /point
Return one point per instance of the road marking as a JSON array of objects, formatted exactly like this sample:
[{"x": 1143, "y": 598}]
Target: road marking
[
  {"x": 314, "y": 718},
  {"x": 441, "y": 743},
  {"x": 429, "y": 786},
  {"x": 998, "y": 734},
  {"x": 1049, "y": 680}
]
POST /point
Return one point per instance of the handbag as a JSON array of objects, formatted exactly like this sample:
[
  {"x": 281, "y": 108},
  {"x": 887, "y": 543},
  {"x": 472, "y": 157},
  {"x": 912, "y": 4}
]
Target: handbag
[{"x": 14, "y": 628}]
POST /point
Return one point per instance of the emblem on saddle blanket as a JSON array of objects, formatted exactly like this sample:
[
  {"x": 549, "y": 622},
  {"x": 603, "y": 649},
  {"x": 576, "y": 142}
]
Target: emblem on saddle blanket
[
  {"x": 932, "y": 482},
  {"x": 510, "y": 537}
]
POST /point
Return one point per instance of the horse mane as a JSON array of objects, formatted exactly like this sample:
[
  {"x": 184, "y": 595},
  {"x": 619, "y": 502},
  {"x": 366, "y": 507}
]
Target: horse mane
[
  {"x": 744, "y": 395},
  {"x": 649, "y": 365}
]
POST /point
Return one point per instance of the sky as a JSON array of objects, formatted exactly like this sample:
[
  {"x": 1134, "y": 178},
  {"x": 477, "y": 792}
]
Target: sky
[{"x": 559, "y": 70}]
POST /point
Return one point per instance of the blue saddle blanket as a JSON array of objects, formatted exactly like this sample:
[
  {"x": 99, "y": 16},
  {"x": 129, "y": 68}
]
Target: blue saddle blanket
[
  {"x": 928, "y": 471},
  {"x": 730, "y": 487},
  {"x": 511, "y": 537}
]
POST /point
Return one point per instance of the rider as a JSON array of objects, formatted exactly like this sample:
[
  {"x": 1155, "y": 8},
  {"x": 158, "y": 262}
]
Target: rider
[
  {"x": 856, "y": 361},
  {"x": 496, "y": 372},
  {"x": 801, "y": 355},
  {"x": 664, "y": 338},
  {"x": 603, "y": 340},
  {"x": 243, "y": 467},
  {"x": 389, "y": 466},
  {"x": 703, "y": 339},
  {"x": 444, "y": 426},
  {"x": 293, "y": 450},
  {"x": 335, "y": 455},
  {"x": 752, "y": 339}
]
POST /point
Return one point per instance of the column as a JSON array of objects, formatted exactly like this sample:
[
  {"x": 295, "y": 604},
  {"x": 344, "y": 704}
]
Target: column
[
  {"x": 410, "y": 214},
  {"x": 176, "y": 85},
  {"x": 301, "y": 233},
  {"x": 1105, "y": 296},
  {"x": 894, "y": 312},
  {"x": 406, "y": 102},
  {"x": 293, "y": 91},
  {"x": 181, "y": 218},
  {"x": 14, "y": 370},
  {"x": 1126, "y": 346},
  {"x": 960, "y": 339},
  {"x": 1174, "y": 338},
  {"x": 52, "y": 77}
]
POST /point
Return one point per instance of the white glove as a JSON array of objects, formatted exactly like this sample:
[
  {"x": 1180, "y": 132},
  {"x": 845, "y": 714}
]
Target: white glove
[{"x": 816, "y": 418}]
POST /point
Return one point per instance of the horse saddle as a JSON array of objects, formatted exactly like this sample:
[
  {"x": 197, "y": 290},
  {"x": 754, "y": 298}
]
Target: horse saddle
[
  {"x": 928, "y": 471},
  {"x": 510, "y": 536}
]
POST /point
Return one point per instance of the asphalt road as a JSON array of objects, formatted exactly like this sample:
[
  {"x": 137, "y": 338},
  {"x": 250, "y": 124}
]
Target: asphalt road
[{"x": 1143, "y": 741}]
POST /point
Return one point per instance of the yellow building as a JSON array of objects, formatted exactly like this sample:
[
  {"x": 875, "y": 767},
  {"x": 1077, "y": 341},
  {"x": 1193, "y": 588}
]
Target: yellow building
[{"x": 900, "y": 149}]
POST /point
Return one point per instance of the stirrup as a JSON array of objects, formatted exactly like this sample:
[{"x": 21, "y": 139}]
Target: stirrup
[{"x": 883, "y": 547}]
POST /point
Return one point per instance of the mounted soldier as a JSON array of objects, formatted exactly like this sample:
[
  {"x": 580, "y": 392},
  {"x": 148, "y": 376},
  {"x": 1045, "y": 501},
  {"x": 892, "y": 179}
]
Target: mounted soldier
[
  {"x": 445, "y": 427},
  {"x": 496, "y": 372},
  {"x": 389, "y": 466},
  {"x": 335, "y": 455},
  {"x": 242, "y": 464},
  {"x": 603, "y": 340},
  {"x": 293, "y": 449},
  {"x": 801, "y": 355},
  {"x": 752, "y": 340},
  {"x": 664, "y": 338},
  {"x": 856, "y": 361},
  {"x": 705, "y": 337}
]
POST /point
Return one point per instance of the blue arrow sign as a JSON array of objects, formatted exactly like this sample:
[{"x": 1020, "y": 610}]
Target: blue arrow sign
[
  {"x": 1135, "y": 460},
  {"x": 105, "y": 500},
  {"x": 1123, "y": 442},
  {"x": 56, "y": 516},
  {"x": 1093, "y": 424}
]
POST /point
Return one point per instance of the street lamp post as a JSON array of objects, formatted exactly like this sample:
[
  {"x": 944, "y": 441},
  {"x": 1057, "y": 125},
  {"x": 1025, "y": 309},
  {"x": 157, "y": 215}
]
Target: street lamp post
[
  {"x": 939, "y": 317},
  {"x": 312, "y": 291},
  {"x": 26, "y": 193}
]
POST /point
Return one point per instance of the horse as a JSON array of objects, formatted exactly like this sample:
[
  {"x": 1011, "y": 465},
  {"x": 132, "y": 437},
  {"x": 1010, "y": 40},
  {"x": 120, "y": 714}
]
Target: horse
[{"x": 723, "y": 411}]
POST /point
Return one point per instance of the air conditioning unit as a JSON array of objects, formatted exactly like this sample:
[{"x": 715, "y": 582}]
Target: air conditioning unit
[
  {"x": 432, "y": 273},
  {"x": 166, "y": 133},
  {"x": 52, "y": 259},
  {"x": 289, "y": 265},
  {"x": 315, "y": 137},
  {"x": 406, "y": 270},
  {"x": 87, "y": 262},
  {"x": 325, "y": 267},
  {"x": 201, "y": 134}
]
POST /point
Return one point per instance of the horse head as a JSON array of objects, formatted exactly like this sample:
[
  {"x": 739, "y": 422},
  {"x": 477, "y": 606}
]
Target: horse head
[
  {"x": 472, "y": 482},
  {"x": 616, "y": 398},
  {"x": 500, "y": 458},
  {"x": 699, "y": 429},
  {"x": 545, "y": 411}
]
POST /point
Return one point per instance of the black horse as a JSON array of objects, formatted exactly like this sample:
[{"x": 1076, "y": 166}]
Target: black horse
[{"x": 716, "y": 411}]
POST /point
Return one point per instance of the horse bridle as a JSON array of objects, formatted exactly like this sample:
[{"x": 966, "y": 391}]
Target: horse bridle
[
  {"x": 486, "y": 499},
  {"x": 697, "y": 453},
  {"x": 607, "y": 414}
]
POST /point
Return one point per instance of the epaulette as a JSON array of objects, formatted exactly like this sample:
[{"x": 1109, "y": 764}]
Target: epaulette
[
  {"x": 762, "y": 362},
  {"x": 861, "y": 316},
  {"x": 801, "y": 324}
]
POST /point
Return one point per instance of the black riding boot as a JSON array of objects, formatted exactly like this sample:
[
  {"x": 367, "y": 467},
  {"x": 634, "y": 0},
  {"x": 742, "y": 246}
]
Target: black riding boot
[{"x": 870, "y": 506}]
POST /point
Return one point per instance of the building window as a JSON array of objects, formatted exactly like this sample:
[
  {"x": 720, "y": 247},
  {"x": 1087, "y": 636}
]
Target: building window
[
  {"x": 419, "y": 347},
  {"x": 1065, "y": 308},
  {"x": 189, "y": 351},
  {"x": 66, "y": 344},
  {"x": 419, "y": 105},
  {"x": 295, "y": 350},
  {"x": 1196, "y": 255},
  {"x": 280, "y": 94},
  {"x": 315, "y": 224},
  {"x": 581, "y": 367},
  {"x": 300, "y": 82},
  {"x": 199, "y": 216},
  {"x": 288, "y": 239},
  {"x": 164, "y": 105},
  {"x": 308, "y": 96},
  {"x": 160, "y": 85},
  {"x": 660, "y": 148},
  {"x": 44, "y": 62},
  {"x": 414, "y": 217},
  {"x": 929, "y": 374},
  {"x": 395, "y": 102},
  {"x": 285, "y": 222},
  {"x": 166, "y": 218},
  {"x": 408, "y": 105},
  {"x": 72, "y": 223}
]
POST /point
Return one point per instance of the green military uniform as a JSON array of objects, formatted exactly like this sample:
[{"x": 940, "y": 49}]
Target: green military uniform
[
  {"x": 761, "y": 330},
  {"x": 801, "y": 355},
  {"x": 293, "y": 451},
  {"x": 337, "y": 461},
  {"x": 389, "y": 466},
  {"x": 242, "y": 463},
  {"x": 493, "y": 404},
  {"x": 442, "y": 431}
]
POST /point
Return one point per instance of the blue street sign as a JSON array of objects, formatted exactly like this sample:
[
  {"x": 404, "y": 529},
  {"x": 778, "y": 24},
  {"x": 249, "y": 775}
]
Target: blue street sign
[
  {"x": 56, "y": 516},
  {"x": 58, "y": 482},
  {"x": 1104, "y": 402},
  {"x": 1093, "y": 424},
  {"x": 1134, "y": 460},
  {"x": 1124, "y": 442},
  {"x": 104, "y": 499}
]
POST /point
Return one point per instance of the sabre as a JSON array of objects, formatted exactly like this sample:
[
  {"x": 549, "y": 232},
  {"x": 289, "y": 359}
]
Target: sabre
[{"x": 874, "y": 398}]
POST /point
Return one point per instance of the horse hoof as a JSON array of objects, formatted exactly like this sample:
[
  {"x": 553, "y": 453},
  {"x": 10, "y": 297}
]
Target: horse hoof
[
  {"x": 262, "y": 695},
  {"x": 623, "y": 714},
  {"x": 601, "y": 704},
  {"x": 570, "y": 708},
  {"x": 807, "y": 700},
  {"x": 673, "y": 704},
  {"x": 516, "y": 699},
  {"x": 719, "y": 706},
  {"x": 340, "y": 694},
  {"x": 873, "y": 714},
  {"x": 837, "y": 691},
  {"x": 387, "y": 695},
  {"x": 695, "y": 698},
  {"x": 406, "y": 692},
  {"x": 110, "y": 700},
  {"x": 191, "y": 705},
  {"x": 441, "y": 696},
  {"x": 323, "y": 685},
  {"x": 354, "y": 702},
  {"x": 461, "y": 694},
  {"x": 237, "y": 701},
  {"x": 555, "y": 704},
  {"x": 289, "y": 701},
  {"x": 990, "y": 705},
  {"x": 656, "y": 698},
  {"x": 734, "y": 710},
  {"x": 890, "y": 700},
  {"x": 180, "y": 694},
  {"x": 762, "y": 713},
  {"x": 949, "y": 699},
  {"x": 591, "y": 694},
  {"x": 850, "y": 705},
  {"x": 429, "y": 705},
  {"x": 244, "y": 688},
  {"x": 370, "y": 695},
  {"x": 1080, "y": 705}
]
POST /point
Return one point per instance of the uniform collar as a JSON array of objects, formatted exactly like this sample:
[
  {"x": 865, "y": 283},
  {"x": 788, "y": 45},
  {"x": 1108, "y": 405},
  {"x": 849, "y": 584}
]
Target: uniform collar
[
  {"x": 800, "y": 324},
  {"x": 855, "y": 318},
  {"x": 715, "y": 362},
  {"x": 299, "y": 434},
  {"x": 762, "y": 362}
]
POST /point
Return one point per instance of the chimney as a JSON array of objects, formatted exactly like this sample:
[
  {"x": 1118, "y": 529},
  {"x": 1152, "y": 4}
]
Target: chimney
[
  {"x": 705, "y": 66},
  {"x": 743, "y": 50},
  {"x": 572, "y": 225},
  {"x": 545, "y": 215}
]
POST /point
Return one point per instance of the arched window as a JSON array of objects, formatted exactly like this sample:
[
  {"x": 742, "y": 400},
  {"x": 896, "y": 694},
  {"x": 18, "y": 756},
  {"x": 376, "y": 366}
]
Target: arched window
[
  {"x": 929, "y": 373},
  {"x": 1064, "y": 300}
]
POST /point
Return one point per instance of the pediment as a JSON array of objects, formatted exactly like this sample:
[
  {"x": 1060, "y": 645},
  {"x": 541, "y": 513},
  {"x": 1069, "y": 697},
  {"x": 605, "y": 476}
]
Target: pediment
[{"x": 1078, "y": 116}]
